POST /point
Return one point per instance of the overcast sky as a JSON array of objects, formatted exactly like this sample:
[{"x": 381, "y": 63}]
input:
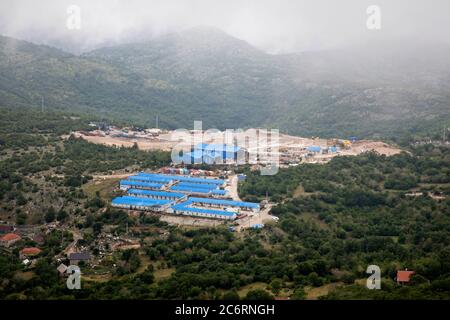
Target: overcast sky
[{"x": 276, "y": 26}]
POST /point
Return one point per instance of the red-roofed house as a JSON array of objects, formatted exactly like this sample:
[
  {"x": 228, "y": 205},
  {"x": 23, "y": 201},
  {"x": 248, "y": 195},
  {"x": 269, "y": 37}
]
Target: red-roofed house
[
  {"x": 29, "y": 252},
  {"x": 404, "y": 276},
  {"x": 9, "y": 239}
]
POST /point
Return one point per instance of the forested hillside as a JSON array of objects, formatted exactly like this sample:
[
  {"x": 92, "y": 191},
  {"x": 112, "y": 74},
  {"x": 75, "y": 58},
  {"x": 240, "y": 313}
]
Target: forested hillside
[
  {"x": 205, "y": 74},
  {"x": 355, "y": 211}
]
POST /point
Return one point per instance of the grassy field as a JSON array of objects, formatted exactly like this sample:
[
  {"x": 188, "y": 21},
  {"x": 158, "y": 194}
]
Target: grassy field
[
  {"x": 307, "y": 216},
  {"x": 24, "y": 276},
  {"x": 257, "y": 285},
  {"x": 161, "y": 274},
  {"x": 315, "y": 293},
  {"x": 104, "y": 187}
]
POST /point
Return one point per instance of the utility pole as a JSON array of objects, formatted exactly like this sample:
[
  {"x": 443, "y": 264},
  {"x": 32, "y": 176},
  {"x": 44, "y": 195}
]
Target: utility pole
[
  {"x": 157, "y": 122},
  {"x": 42, "y": 104}
]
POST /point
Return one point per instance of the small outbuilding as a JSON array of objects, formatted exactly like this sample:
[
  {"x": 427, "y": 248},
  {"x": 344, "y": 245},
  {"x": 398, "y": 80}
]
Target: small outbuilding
[
  {"x": 9, "y": 239},
  {"x": 29, "y": 252},
  {"x": 404, "y": 276},
  {"x": 77, "y": 257}
]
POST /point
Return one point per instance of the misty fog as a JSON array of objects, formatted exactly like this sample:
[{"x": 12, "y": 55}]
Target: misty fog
[{"x": 274, "y": 26}]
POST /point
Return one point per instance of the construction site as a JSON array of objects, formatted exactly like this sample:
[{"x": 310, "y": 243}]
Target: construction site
[{"x": 287, "y": 149}]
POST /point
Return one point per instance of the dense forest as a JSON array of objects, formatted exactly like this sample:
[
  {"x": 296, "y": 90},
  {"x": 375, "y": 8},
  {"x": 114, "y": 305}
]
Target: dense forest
[
  {"x": 335, "y": 220},
  {"x": 355, "y": 211}
]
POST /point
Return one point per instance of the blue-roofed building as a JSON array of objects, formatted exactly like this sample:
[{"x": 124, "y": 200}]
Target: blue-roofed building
[
  {"x": 127, "y": 184},
  {"x": 139, "y": 203},
  {"x": 219, "y": 193},
  {"x": 184, "y": 178},
  {"x": 218, "y": 182},
  {"x": 191, "y": 190},
  {"x": 213, "y": 154},
  {"x": 223, "y": 203},
  {"x": 333, "y": 149},
  {"x": 198, "y": 157},
  {"x": 156, "y": 194},
  {"x": 203, "y": 213},
  {"x": 169, "y": 194},
  {"x": 315, "y": 149},
  {"x": 208, "y": 186},
  {"x": 222, "y": 152},
  {"x": 241, "y": 177}
]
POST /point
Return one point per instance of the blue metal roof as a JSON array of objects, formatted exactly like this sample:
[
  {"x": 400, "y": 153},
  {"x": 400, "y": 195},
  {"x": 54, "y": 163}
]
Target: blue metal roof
[
  {"x": 190, "y": 189},
  {"x": 257, "y": 226},
  {"x": 197, "y": 185},
  {"x": 206, "y": 211},
  {"x": 313, "y": 148},
  {"x": 183, "y": 178},
  {"x": 333, "y": 149},
  {"x": 219, "y": 192},
  {"x": 231, "y": 203},
  {"x": 141, "y": 184},
  {"x": 206, "y": 156},
  {"x": 218, "y": 147},
  {"x": 155, "y": 193},
  {"x": 202, "y": 180},
  {"x": 137, "y": 201}
]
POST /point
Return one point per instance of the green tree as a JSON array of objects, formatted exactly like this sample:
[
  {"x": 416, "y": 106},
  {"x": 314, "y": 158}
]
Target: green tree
[
  {"x": 258, "y": 294},
  {"x": 50, "y": 215},
  {"x": 298, "y": 294}
]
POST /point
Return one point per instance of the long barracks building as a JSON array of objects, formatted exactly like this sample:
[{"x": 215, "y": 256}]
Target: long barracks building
[{"x": 180, "y": 195}]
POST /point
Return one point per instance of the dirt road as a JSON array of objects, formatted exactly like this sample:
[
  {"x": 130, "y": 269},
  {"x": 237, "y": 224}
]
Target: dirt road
[
  {"x": 112, "y": 176},
  {"x": 233, "y": 188},
  {"x": 261, "y": 217}
]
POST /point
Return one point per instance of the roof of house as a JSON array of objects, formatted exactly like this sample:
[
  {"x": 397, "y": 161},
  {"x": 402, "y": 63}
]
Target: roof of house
[
  {"x": 155, "y": 193},
  {"x": 404, "y": 275},
  {"x": 80, "y": 256},
  {"x": 197, "y": 185},
  {"x": 141, "y": 184},
  {"x": 182, "y": 207},
  {"x": 218, "y": 147},
  {"x": 183, "y": 178},
  {"x": 219, "y": 192},
  {"x": 62, "y": 268},
  {"x": 139, "y": 201},
  {"x": 4, "y": 228},
  {"x": 10, "y": 237},
  {"x": 314, "y": 148},
  {"x": 39, "y": 238},
  {"x": 31, "y": 251},
  {"x": 231, "y": 203},
  {"x": 190, "y": 189}
]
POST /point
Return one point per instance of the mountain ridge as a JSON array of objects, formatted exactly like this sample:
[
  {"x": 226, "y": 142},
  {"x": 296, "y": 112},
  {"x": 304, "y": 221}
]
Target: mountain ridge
[{"x": 205, "y": 74}]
